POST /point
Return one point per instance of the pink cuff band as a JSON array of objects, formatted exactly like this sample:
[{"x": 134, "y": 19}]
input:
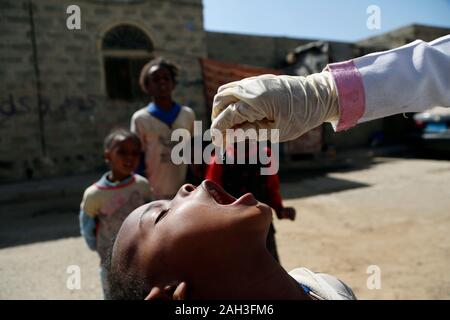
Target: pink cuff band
[{"x": 350, "y": 92}]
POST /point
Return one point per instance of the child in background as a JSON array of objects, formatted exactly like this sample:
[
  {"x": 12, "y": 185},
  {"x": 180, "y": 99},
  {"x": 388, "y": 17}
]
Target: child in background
[
  {"x": 108, "y": 202},
  {"x": 196, "y": 171},
  {"x": 239, "y": 179},
  {"x": 155, "y": 123}
]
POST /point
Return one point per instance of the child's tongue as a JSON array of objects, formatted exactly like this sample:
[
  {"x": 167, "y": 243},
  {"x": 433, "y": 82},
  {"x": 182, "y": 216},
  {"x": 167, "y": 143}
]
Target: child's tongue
[{"x": 218, "y": 194}]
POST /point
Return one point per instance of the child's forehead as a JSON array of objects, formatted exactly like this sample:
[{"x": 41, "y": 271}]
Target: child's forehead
[
  {"x": 156, "y": 68},
  {"x": 120, "y": 140}
]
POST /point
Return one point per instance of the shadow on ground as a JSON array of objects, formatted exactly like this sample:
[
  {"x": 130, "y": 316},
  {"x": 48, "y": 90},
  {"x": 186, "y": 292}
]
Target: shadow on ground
[
  {"x": 317, "y": 186},
  {"x": 427, "y": 152},
  {"x": 36, "y": 221},
  {"x": 313, "y": 179}
]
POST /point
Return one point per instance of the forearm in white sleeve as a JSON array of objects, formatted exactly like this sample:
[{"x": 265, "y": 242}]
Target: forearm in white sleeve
[{"x": 411, "y": 78}]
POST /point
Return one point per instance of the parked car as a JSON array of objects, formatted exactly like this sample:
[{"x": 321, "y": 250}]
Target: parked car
[{"x": 432, "y": 128}]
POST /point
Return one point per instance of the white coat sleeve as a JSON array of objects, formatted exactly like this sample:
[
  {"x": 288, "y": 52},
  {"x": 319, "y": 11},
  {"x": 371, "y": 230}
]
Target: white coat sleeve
[{"x": 411, "y": 78}]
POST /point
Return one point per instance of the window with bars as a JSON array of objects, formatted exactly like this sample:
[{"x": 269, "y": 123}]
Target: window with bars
[{"x": 125, "y": 49}]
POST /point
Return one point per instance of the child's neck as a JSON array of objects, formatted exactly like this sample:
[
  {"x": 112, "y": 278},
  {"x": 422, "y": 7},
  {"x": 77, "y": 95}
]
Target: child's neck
[
  {"x": 164, "y": 103},
  {"x": 116, "y": 177},
  {"x": 259, "y": 277}
]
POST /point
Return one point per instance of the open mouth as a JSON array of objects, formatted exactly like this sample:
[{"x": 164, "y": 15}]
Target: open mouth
[
  {"x": 218, "y": 193},
  {"x": 222, "y": 197}
]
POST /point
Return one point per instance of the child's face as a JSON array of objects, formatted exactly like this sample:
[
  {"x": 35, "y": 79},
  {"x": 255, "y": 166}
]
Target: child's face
[
  {"x": 123, "y": 157},
  {"x": 200, "y": 228},
  {"x": 160, "y": 83}
]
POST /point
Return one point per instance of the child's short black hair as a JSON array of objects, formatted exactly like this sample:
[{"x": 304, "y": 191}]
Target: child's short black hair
[
  {"x": 161, "y": 62},
  {"x": 123, "y": 285},
  {"x": 122, "y": 133}
]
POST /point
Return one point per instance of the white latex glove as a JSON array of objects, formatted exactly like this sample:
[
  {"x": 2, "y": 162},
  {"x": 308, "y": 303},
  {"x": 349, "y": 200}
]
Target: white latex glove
[{"x": 292, "y": 104}]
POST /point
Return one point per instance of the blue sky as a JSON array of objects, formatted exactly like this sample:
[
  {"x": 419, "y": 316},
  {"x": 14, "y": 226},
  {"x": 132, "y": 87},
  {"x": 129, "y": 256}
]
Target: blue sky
[{"x": 343, "y": 20}]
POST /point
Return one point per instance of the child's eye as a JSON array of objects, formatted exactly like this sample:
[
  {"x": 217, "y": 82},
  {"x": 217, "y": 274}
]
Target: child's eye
[{"x": 161, "y": 215}]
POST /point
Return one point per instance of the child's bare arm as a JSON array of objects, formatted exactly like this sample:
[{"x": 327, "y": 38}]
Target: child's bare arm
[{"x": 286, "y": 213}]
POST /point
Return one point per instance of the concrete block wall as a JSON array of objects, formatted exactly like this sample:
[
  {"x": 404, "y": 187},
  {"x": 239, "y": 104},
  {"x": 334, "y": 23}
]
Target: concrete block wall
[
  {"x": 259, "y": 51},
  {"x": 262, "y": 51},
  {"x": 404, "y": 35}
]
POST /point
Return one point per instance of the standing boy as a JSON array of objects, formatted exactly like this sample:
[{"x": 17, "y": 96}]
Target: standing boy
[{"x": 155, "y": 123}]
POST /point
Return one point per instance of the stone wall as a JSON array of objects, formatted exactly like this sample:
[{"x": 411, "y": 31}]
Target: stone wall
[
  {"x": 404, "y": 35},
  {"x": 65, "y": 135},
  {"x": 261, "y": 51}
]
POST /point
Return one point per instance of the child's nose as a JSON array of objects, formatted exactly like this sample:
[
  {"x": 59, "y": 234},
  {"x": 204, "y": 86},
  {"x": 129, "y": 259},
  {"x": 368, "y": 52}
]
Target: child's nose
[{"x": 187, "y": 189}]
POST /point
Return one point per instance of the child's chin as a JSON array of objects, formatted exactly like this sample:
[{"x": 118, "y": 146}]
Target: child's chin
[
  {"x": 128, "y": 172},
  {"x": 265, "y": 210}
]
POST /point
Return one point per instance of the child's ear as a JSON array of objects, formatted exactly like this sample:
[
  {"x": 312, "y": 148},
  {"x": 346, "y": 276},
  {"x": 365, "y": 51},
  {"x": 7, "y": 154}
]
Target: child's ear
[
  {"x": 107, "y": 155},
  {"x": 177, "y": 292}
]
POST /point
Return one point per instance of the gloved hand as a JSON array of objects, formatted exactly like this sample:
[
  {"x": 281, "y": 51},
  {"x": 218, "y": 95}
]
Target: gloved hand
[{"x": 292, "y": 104}]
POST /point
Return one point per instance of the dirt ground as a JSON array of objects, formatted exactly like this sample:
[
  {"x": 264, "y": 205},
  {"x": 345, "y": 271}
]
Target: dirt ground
[{"x": 393, "y": 213}]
